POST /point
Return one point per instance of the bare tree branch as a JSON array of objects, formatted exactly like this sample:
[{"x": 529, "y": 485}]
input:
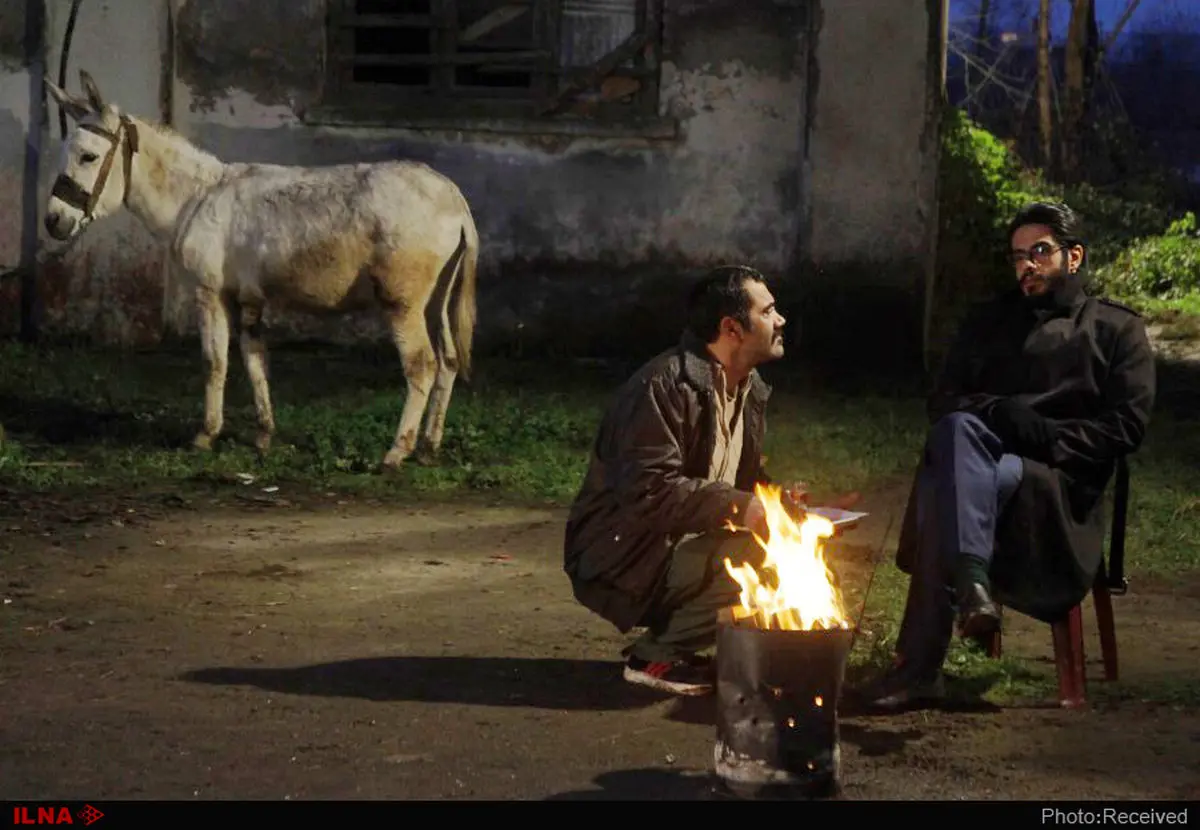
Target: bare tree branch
[{"x": 1119, "y": 25}]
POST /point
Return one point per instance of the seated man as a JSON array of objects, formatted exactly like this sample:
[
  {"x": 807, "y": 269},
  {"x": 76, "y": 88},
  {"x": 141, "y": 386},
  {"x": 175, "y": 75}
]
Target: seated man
[
  {"x": 1043, "y": 389},
  {"x": 678, "y": 454}
]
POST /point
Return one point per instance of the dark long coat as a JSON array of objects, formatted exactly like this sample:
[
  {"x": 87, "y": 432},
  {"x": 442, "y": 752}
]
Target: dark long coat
[
  {"x": 647, "y": 482},
  {"x": 1086, "y": 363}
]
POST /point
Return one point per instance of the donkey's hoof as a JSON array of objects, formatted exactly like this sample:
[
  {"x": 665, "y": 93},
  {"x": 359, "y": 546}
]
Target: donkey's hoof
[
  {"x": 262, "y": 443},
  {"x": 203, "y": 441},
  {"x": 393, "y": 461},
  {"x": 426, "y": 456}
]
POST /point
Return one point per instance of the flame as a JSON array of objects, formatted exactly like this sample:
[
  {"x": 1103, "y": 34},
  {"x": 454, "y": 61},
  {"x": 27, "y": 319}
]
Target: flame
[{"x": 796, "y": 590}]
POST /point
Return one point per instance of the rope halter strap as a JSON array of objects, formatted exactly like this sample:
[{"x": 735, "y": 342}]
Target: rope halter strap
[{"x": 69, "y": 190}]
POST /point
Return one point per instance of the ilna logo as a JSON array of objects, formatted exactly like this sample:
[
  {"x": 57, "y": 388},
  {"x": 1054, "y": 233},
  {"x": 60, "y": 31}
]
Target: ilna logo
[{"x": 56, "y": 815}]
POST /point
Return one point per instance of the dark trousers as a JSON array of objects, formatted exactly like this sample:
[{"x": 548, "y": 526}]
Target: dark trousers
[
  {"x": 964, "y": 484},
  {"x": 683, "y": 621}
]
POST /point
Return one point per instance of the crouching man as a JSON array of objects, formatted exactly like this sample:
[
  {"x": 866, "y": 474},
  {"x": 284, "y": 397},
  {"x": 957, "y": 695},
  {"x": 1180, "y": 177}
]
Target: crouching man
[{"x": 678, "y": 455}]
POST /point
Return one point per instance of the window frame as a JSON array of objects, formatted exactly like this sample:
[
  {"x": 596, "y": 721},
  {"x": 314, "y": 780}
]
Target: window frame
[{"x": 549, "y": 107}]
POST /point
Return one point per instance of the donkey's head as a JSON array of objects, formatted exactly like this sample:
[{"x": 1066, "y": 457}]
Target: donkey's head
[{"x": 96, "y": 163}]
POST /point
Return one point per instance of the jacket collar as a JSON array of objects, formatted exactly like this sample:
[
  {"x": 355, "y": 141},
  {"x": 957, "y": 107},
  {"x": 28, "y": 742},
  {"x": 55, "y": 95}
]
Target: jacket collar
[
  {"x": 1064, "y": 300},
  {"x": 698, "y": 369}
]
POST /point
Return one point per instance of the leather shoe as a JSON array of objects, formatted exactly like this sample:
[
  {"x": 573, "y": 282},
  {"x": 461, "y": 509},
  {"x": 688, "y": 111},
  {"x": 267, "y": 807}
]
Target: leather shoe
[
  {"x": 978, "y": 614},
  {"x": 897, "y": 691}
]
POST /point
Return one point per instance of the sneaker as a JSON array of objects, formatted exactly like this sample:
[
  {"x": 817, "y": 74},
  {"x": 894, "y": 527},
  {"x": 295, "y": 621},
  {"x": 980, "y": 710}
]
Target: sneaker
[{"x": 691, "y": 677}]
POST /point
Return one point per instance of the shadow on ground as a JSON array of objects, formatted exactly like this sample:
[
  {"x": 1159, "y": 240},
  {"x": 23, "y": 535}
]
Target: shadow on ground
[
  {"x": 646, "y": 785},
  {"x": 963, "y": 695},
  {"x": 548, "y": 683},
  {"x": 60, "y": 421}
]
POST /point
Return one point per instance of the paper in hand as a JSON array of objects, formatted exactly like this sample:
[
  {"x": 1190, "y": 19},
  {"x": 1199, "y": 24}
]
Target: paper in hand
[{"x": 836, "y": 515}]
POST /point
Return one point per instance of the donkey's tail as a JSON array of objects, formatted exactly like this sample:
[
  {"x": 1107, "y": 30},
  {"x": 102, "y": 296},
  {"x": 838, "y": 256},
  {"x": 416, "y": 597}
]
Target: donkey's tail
[{"x": 462, "y": 326}]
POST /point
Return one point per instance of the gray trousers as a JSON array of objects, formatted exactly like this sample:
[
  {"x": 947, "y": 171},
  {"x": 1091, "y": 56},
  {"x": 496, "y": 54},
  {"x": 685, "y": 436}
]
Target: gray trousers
[
  {"x": 683, "y": 621},
  {"x": 964, "y": 483}
]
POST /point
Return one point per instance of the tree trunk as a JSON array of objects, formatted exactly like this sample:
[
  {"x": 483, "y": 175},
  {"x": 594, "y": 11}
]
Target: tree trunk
[
  {"x": 1076, "y": 84},
  {"x": 1045, "y": 113}
]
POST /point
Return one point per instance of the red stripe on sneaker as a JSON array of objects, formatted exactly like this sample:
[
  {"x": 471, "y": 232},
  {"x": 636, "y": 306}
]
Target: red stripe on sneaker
[{"x": 658, "y": 669}]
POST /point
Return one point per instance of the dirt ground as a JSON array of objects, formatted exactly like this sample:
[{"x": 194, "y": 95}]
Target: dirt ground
[{"x": 273, "y": 649}]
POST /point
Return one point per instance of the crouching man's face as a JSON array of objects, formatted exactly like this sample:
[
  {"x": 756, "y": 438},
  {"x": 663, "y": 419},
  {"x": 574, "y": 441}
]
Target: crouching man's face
[{"x": 763, "y": 340}]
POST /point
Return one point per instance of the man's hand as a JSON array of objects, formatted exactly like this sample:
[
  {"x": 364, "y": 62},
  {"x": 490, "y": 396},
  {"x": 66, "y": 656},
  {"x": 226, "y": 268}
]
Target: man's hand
[
  {"x": 755, "y": 519},
  {"x": 794, "y": 498},
  {"x": 1023, "y": 430}
]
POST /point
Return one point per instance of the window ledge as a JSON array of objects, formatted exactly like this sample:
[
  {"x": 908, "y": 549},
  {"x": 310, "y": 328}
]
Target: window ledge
[{"x": 657, "y": 127}]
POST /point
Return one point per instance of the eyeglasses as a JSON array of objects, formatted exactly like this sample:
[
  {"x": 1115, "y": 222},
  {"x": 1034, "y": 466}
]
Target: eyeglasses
[{"x": 1039, "y": 254}]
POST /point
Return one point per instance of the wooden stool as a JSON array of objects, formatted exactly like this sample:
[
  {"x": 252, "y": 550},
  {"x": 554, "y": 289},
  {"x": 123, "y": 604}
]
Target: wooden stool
[
  {"x": 1069, "y": 653},
  {"x": 1067, "y": 634}
]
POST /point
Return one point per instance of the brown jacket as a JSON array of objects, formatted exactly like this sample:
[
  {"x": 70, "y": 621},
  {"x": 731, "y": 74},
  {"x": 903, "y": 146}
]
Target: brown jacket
[
  {"x": 647, "y": 483},
  {"x": 1086, "y": 364}
]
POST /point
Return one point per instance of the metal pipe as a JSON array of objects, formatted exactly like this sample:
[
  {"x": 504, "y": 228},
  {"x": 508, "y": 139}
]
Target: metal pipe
[
  {"x": 63, "y": 57},
  {"x": 35, "y": 63}
]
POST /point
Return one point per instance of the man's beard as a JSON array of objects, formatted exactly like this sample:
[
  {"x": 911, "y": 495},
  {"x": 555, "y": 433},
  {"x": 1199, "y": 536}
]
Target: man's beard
[{"x": 1055, "y": 282}]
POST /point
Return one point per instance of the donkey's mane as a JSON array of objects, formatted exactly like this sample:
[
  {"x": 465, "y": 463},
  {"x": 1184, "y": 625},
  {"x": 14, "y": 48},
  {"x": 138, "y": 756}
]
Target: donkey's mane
[{"x": 176, "y": 139}]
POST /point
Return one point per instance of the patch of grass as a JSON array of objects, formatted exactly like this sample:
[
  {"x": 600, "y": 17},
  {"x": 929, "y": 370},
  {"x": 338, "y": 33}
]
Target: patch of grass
[
  {"x": 1181, "y": 316},
  {"x": 78, "y": 417},
  {"x": 838, "y": 443},
  {"x": 80, "y": 420},
  {"x": 1163, "y": 535},
  {"x": 83, "y": 418}
]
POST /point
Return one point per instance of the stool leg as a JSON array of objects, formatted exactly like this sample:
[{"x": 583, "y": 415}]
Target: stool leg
[
  {"x": 1108, "y": 632},
  {"x": 992, "y": 643},
  {"x": 1068, "y": 659}
]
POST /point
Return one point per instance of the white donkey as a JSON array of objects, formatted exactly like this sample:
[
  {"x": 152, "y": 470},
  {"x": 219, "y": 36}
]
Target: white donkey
[{"x": 396, "y": 235}]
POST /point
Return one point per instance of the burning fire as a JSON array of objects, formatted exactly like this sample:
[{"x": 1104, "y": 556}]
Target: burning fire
[{"x": 796, "y": 590}]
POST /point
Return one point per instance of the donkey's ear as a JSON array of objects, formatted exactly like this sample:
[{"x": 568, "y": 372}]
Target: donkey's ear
[
  {"x": 72, "y": 106},
  {"x": 93, "y": 92}
]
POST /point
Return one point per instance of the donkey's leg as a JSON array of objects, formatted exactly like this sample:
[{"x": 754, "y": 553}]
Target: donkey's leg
[
  {"x": 439, "y": 403},
  {"x": 447, "y": 362},
  {"x": 214, "y": 346},
  {"x": 254, "y": 356},
  {"x": 411, "y": 337}
]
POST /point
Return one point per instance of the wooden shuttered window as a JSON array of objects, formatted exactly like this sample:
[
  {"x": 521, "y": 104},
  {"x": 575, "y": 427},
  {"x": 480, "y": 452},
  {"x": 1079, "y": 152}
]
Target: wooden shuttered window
[{"x": 596, "y": 58}]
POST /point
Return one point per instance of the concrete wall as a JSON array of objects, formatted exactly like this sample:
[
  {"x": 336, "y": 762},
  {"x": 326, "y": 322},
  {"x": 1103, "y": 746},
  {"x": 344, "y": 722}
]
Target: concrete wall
[
  {"x": 872, "y": 163},
  {"x": 585, "y": 238},
  {"x": 112, "y": 284},
  {"x": 108, "y": 284},
  {"x": 581, "y": 236},
  {"x": 15, "y": 116}
]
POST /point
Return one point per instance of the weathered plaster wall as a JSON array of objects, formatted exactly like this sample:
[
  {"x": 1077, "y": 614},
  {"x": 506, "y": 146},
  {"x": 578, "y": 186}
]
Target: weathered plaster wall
[
  {"x": 108, "y": 283},
  {"x": 872, "y": 166},
  {"x": 15, "y": 114},
  {"x": 822, "y": 176},
  {"x": 14, "y": 123},
  {"x": 584, "y": 240}
]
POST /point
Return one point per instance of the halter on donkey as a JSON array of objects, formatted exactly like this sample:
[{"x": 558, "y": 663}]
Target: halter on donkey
[{"x": 396, "y": 235}]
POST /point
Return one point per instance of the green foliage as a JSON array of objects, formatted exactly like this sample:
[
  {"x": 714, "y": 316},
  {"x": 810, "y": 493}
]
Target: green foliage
[
  {"x": 1165, "y": 267},
  {"x": 980, "y": 185},
  {"x": 1138, "y": 249},
  {"x": 984, "y": 183}
]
